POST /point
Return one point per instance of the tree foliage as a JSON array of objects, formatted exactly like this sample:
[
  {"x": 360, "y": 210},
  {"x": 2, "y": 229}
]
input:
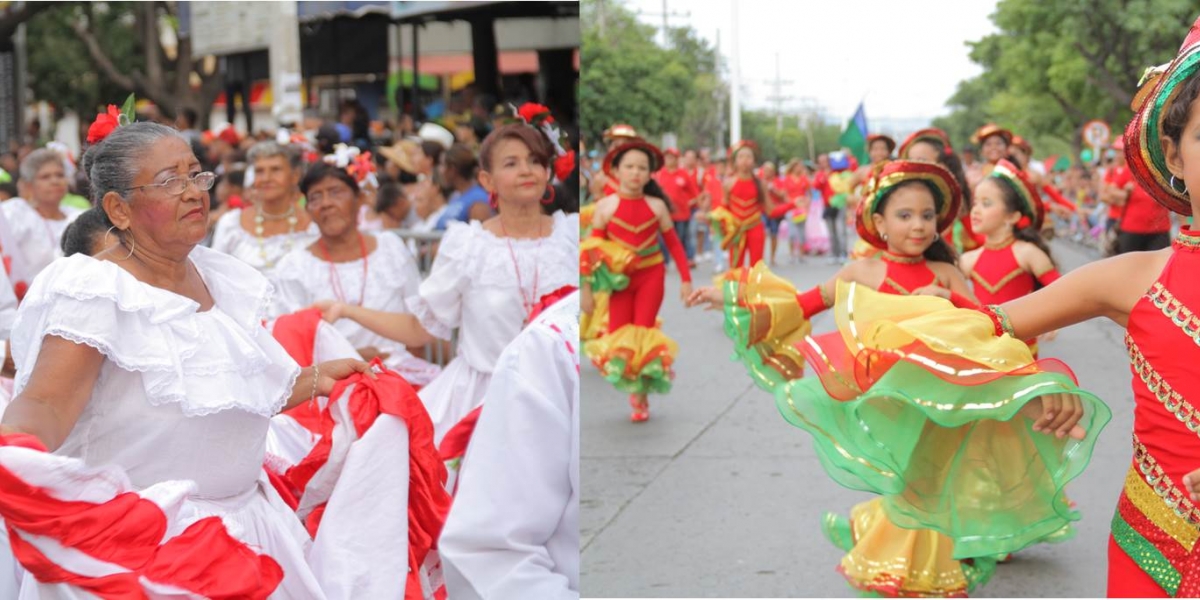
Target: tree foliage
[
  {"x": 1056, "y": 64},
  {"x": 86, "y": 55}
]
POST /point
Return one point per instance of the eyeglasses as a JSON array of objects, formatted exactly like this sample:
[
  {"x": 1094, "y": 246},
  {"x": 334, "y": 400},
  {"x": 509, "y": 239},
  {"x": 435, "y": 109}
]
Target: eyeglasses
[
  {"x": 175, "y": 186},
  {"x": 336, "y": 194}
]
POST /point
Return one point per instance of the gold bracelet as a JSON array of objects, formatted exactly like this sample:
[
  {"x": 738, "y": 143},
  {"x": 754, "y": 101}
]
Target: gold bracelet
[{"x": 316, "y": 376}]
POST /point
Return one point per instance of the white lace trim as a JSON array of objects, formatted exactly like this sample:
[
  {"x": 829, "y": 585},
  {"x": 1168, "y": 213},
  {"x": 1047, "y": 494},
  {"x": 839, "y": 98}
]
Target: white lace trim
[{"x": 420, "y": 309}]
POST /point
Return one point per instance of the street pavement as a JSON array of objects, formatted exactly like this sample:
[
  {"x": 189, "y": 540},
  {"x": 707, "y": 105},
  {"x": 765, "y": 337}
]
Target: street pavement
[{"x": 717, "y": 496}]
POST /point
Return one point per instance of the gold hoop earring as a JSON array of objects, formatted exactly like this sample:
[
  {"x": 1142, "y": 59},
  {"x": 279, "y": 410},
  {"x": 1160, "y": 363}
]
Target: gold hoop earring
[{"x": 120, "y": 240}]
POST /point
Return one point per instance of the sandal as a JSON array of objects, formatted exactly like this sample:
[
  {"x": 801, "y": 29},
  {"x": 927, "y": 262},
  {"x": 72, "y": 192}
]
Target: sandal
[{"x": 641, "y": 409}]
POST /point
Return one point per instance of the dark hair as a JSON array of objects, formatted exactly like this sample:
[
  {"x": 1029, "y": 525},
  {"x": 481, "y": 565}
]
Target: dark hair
[
  {"x": 953, "y": 163},
  {"x": 433, "y": 150},
  {"x": 10, "y": 188},
  {"x": 389, "y": 195},
  {"x": 188, "y": 115},
  {"x": 461, "y": 160},
  {"x": 322, "y": 171},
  {"x": 651, "y": 188},
  {"x": 532, "y": 138},
  {"x": 939, "y": 251},
  {"x": 81, "y": 235},
  {"x": 1012, "y": 202},
  {"x": 236, "y": 177},
  {"x": 1176, "y": 116}
]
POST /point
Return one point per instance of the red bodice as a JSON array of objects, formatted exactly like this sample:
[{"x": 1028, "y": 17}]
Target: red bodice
[
  {"x": 1163, "y": 341},
  {"x": 743, "y": 200},
  {"x": 609, "y": 188},
  {"x": 905, "y": 274},
  {"x": 998, "y": 278},
  {"x": 634, "y": 226}
]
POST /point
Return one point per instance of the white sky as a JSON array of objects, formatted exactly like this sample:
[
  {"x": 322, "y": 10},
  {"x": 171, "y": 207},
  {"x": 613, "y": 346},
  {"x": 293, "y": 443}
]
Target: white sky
[{"x": 905, "y": 57}]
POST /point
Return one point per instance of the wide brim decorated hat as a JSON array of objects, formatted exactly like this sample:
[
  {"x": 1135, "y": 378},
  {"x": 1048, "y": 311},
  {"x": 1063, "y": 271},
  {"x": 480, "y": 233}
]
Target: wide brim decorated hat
[
  {"x": 1143, "y": 146},
  {"x": 1022, "y": 143},
  {"x": 929, "y": 134},
  {"x": 733, "y": 150},
  {"x": 620, "y": 131},
  {"x": 656, "y": 155},
  {"x": 1031, "y": 200},
  {"x": 887, "y": 139},
  {"x": 988, "y": 131},
  {"x": 947, "y": 195}
]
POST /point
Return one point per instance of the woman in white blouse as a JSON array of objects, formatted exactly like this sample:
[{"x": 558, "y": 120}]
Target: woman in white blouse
[
  {"x": 37, "y": 222},
  {"x": 375, "y": 271}
]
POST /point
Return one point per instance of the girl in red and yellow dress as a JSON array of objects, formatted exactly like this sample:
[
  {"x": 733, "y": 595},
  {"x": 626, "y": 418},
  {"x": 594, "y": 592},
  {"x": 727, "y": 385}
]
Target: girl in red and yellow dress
[
  {"x": 593, "y": 322},
  {"x": 739, "y": 219},
  {"x": 624, "y": 256},
  {"x": 913, "y": 201},
  {"x": 1020, "y": 153},
  {"x": 1014, "y": 261},
  {"x": 971, "y": 355},
  {"x": 933, "y": 145}
]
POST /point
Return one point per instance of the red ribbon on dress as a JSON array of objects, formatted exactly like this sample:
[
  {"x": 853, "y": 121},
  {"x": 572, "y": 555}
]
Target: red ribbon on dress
[{"x": 548, "y": 300}]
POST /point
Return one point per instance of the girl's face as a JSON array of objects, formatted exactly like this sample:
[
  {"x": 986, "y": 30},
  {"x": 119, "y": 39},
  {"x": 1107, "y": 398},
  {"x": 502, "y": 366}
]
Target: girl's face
[
  {"x": 878, "y": 152},
  {"x": 909, "y": 221},
  {"x": 923, "y": 151},
  {"x": 743, "y": 161},
  {"x": 993, "y": 149},
  {"x": 633, "y": 171},
  {"x": 989, "y": 212}
]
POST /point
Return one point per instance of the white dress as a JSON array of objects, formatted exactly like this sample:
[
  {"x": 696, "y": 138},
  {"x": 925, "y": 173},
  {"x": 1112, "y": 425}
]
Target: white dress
[
  {"x": 513, "y": 530},
  {"x": 473, "y": 286},
  {"x": 38, "y": 239},
  {"x": 301, "y": 279},
  {"x": 229, "y": 237},
  {"x": 182, "y": 394}
]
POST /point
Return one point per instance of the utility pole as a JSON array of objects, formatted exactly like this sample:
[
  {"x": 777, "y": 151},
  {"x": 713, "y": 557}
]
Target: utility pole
[
  {"x": 735, "y": 83},
  {"x": 666, "y": 36},
  {"x": 778, "y": 98}
]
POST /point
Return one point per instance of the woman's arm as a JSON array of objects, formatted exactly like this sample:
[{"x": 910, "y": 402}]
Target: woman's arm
[
  {"x": 1106, "y": 288},
  {"x": 59, "y": 388},
  {"x": 319, "y": 380},
  {"x": 401, "y": 327}
]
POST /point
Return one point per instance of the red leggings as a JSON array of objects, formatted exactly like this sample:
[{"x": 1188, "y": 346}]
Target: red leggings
[
  {"x": 638, "y": 303},
  {"x": 755, "y": 239}
]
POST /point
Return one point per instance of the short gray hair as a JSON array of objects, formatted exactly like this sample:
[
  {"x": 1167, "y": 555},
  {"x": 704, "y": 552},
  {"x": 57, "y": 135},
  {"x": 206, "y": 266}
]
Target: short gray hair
[
  {"x": 38, "y": 159},
  {"x": 269, "y": 148},
  {"x": 112, "y": 164}
]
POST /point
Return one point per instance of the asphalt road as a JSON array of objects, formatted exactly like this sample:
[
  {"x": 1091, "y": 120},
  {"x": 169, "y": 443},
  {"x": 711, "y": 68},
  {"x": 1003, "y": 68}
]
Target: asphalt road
[{"x": 717, "y": 496}]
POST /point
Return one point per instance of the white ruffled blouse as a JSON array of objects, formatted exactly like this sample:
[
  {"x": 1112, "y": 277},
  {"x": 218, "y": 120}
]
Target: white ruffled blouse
[
  {"x": 183, "y": 393},
  {"x": 39, "y": 240}
]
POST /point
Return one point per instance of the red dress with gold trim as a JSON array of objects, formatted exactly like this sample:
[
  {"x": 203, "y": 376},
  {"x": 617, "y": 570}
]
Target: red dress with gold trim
[
  {"x": 740, "y": 224},
  {"x": 635, "y": 356},
  {"x": 1156, "y": 524}
]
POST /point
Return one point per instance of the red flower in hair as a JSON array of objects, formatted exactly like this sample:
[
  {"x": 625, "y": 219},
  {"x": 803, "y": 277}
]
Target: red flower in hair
[
  {"x": 563, "y": 165},
  {"x": 531, "y": 111},
  {"x": 104, "y": 124}
]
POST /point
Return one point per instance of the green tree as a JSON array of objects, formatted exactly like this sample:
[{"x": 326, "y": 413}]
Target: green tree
[
  {"x": 1055, "y": 64},
  {"x": 65, "y": 76}
]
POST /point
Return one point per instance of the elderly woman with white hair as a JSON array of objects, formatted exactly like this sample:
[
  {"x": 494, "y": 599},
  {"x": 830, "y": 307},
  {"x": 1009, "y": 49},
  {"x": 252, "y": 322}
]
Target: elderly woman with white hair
[{"x": 37, "y": 222}]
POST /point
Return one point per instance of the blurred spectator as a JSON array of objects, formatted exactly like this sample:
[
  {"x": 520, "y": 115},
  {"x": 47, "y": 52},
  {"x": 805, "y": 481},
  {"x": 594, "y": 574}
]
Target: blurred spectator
[
  {"x": 185, "y": 122},
  {"x": 394, "y": 208},
  {"x": 468, "y": 201},
  {"x": 430, "y": 157}
]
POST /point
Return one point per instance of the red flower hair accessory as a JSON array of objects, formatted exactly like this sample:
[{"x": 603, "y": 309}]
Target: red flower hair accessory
[
  {"x": 111, "y": 119},
  {"x": 539, "y": 116}
]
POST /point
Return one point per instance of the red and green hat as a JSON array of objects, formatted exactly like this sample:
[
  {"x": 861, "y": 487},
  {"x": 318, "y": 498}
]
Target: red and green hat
[
  {"x": 947, "y": 195},
  {"x": 1022, "y": 143},
  {"x": 988, "y": 131},
  {"x": 1032, "y": 209},
  {"x": 1143, "y": 147},
  {"x": 656, "y": 155},
  {"x": 929, "y": 134}
]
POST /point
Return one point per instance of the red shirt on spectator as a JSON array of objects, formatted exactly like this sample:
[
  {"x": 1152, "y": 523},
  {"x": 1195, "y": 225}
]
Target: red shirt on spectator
[
  {"x": 796, "y": 187},
  {"x": 821, "y": 182},
  {"x": 1142, "y": 213},
  {"x": 712, "y": 185},
  {"x": 682, "y": 188},
  {"x": 1110, "y": 177}
]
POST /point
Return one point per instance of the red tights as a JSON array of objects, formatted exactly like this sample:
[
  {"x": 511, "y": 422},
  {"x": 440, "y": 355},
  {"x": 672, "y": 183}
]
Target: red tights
[
  {"x": 755, "y": 239},
  {"x": 638, "y": 303}
]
